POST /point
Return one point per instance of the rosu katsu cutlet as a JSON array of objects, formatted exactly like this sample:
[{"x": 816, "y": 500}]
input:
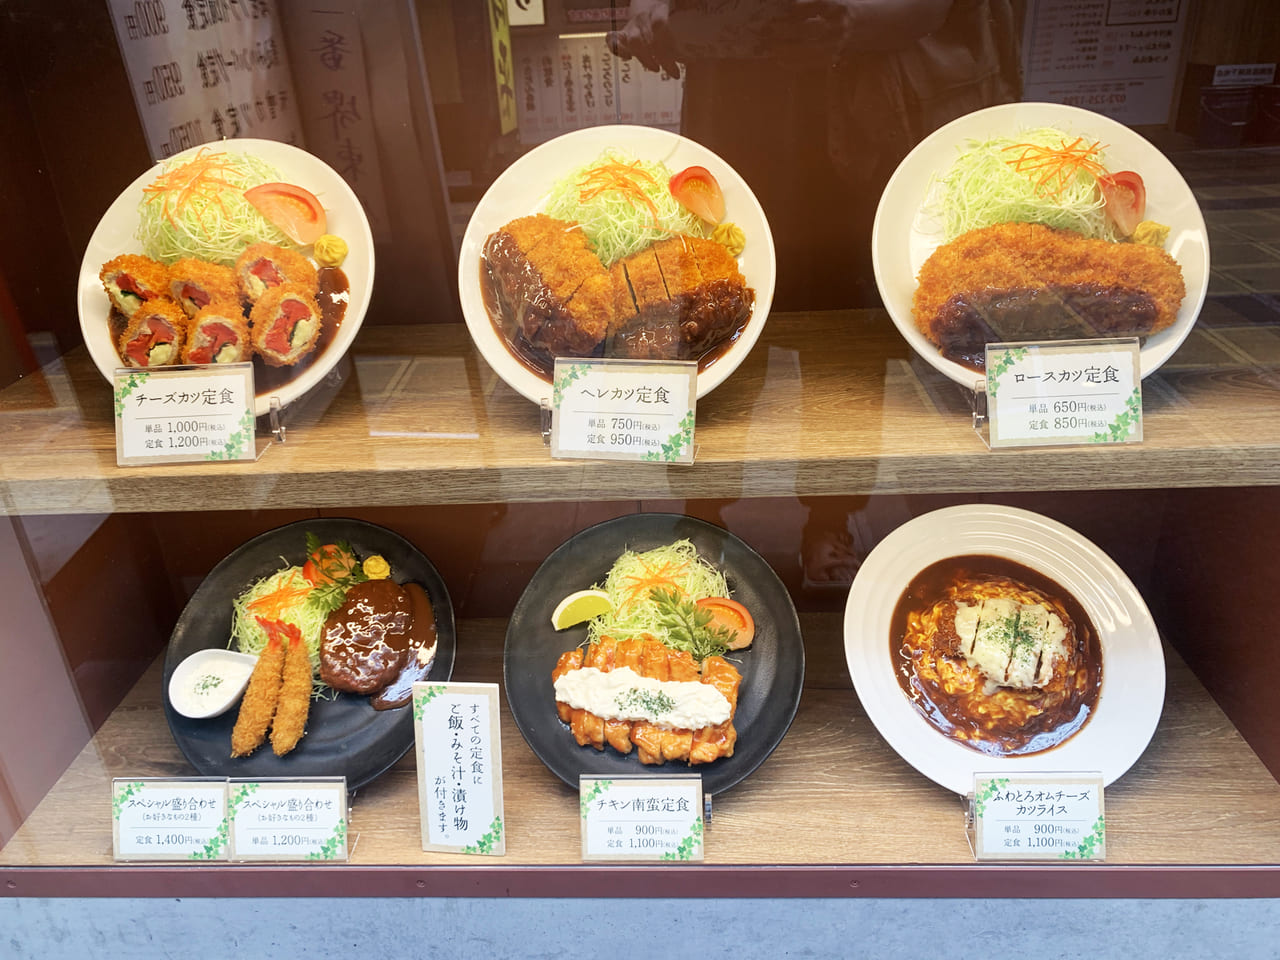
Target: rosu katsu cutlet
[
  {"x": 1023, "y": 281},
  {"x": 547, "y": 291}
]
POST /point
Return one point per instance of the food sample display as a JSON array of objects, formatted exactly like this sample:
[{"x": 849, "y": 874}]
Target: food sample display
[
  {"x": 616, "y": 242},
  {"x": 206, "y": 242},
  {"x": 621, "y": 270},
  {"x": 343, "y": 617},
  {"x": 653, "y": 675},
  {"x": 1038, "y": 222},
  {"x": 989, "y": 639},
  {"x": 995, "y": 654},
  {"x": 654, "y": 642}
]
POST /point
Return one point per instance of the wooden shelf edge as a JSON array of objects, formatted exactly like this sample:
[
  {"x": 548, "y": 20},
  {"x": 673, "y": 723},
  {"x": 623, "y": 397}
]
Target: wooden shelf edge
[{"x": 1000, "y": 881}]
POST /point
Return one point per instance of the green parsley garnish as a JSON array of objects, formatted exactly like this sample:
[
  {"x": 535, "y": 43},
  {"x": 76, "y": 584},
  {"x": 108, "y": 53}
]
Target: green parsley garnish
[
  {"x": 689, "y": 626},
  {"x": 652, "y": 702},
  {"x": 208, "y": 682}
]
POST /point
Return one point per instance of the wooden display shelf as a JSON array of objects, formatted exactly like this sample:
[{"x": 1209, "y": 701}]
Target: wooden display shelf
[
  {"x": 826, "y": 403},
  {"x": 833, "y": 812}
]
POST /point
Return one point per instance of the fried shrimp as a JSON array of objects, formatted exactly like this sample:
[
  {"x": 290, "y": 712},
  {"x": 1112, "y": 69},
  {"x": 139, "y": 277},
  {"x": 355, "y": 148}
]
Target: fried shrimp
[
  {"x": 259, "y": 703},
  {"x": 294, "y": 704}
]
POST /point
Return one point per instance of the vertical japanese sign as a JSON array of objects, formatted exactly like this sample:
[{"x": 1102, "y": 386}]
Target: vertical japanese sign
[
  {"x": 504, "y": 71},
  {"x": 337, "y": 111},
  {"x": 459, "y": 752},
  {"x": 1115, "y": 57},
  {"x": 204, "y": 70}
]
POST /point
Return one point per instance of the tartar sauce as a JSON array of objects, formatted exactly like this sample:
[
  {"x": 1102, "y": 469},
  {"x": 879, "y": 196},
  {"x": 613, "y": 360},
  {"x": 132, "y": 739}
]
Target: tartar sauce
[
  {"x": 209, "y": 681},
  {"x": 623, "y": 694}
]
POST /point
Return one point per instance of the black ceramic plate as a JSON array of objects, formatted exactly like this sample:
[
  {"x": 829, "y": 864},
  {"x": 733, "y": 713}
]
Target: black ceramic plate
[
  {"x": 772, "y": 668},
  {"x": 346, "y": 736}
]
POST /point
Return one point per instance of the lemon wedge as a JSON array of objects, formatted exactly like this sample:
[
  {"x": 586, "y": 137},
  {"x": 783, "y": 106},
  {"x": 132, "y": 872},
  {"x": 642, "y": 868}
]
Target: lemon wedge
[{"x": 580, "y": 606}]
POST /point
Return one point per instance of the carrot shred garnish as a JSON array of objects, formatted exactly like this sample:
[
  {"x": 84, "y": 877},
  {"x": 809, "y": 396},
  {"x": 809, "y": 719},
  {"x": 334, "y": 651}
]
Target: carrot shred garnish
[
  {"x": 177, "y": 187},
  {"x": 274, "y": 604},
  {"x": 663, "y": 576},
  {"x": 619, "y": 177},
  {"x": 1052, "y": 169}
]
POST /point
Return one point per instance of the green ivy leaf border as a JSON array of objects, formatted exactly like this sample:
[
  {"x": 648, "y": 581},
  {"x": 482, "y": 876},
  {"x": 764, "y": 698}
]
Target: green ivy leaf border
[
  {"x": 122, "y": 793},
  {"x": 574, "y": 371},
  {"x": 986, "y": 790},
  {"x": 489, "y": 841},
  {"x": 1006, "y": 360},
  {"x": 684, "y": 850},
  {"x": 674, "y": 446},
  {"x": 597, "y": 789},
  {"x": 237, "y": 442},
  {"x": 1123, "y": 425},
  {"x": 421, "y": 699},
  {"x": 1092, "y": 846},
  {"x": 329, "y": 849},
  {"x": 130, "y": 383}
]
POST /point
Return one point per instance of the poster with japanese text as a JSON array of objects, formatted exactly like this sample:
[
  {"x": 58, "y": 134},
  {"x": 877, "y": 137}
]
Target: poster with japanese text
[{"x": 208, "y": 70}]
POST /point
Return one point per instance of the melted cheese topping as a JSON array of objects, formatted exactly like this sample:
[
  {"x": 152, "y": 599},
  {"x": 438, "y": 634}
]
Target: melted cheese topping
[
  {"x": 623, "y": 694},
  {"x": 1013, "y": 644}
]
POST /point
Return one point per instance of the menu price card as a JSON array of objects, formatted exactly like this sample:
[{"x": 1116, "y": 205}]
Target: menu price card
[
  {"x": 169, "y": 819},
  {"x": 184, "y": 414},
  {"x": 1070, "y": 392},
  {"x": 459, "y": 751},
  {"x": 1051, "y": 816},
  {"x": 303, "y": 819},
  {"x": 641, "y": 818},
  {"x": 624, "y": 410}
]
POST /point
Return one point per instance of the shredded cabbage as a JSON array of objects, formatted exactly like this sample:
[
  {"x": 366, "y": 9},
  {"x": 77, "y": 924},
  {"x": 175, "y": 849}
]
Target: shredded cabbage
[
  {"x": 632, "y": 578},
  {"x": 196, "y": 208},
  {"x": 982, "y": 189},
  {"x": 614, "y": 224},
  {"x": 248, "y": 636}
]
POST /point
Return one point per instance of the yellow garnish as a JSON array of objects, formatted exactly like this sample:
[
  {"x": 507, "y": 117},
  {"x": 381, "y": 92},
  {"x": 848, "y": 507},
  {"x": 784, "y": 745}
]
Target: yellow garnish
[
  {"x": 731, "y": 237},
  {"x": 1053, "y": 169},
  {"x": 1150, "y": 232},
  {"x": 376, "y": 568},
  {"x": 330, "y": 251}
]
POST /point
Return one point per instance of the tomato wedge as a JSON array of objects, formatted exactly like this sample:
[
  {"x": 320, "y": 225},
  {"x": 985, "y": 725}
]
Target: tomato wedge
[
  {"x": 698, "y": 190},
  {"x": 1126, "y": 198},
  {"x": 733, "y": 616},
  {"x": 292, "y": 208},
  {"x": 328, "y": 564}
]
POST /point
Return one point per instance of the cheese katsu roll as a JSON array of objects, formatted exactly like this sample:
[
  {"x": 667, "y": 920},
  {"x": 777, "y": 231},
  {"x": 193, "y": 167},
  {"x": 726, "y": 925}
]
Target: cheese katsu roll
[
  {"x": 132, "y": 279},
  {"x": 218, "y": 333},
  {"x": 263, "y": 266},
  {"x": 285, "y": 324},
  {"x": 195, "y": 284},
  {"x": 155, "y": 335}
]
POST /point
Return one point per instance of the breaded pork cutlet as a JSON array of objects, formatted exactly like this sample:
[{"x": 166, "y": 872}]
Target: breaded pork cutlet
[
  {"x": 688, "y": 294},
  {"x": 547, "y": 286},
  {"x": 1024, "y": 281}
]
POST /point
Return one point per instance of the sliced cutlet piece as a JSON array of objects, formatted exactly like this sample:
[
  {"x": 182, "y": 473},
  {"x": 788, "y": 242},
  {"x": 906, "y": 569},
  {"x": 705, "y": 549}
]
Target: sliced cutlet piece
[
  {"x": 724, "y": 299},
  {"x": 654, "y": 334},
  {"x": 527, "y": 232}
]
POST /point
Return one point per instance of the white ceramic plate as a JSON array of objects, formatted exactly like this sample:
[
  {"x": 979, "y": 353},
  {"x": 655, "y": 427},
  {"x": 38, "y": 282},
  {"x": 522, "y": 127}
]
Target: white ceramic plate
[
  {"x": 904, "y": 235},
  {"x": 1132, "y": 694},
  {"x": 114, "y": 235},
  {"x": 522, "y": 189}
]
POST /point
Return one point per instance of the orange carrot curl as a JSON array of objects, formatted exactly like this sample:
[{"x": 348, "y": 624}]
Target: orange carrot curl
[{"x": 1053, "y": 169}]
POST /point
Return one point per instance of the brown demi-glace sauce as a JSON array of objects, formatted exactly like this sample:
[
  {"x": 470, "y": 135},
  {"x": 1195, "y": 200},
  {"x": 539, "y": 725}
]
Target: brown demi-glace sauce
[
  {"x": 504, "y": 317},
  {"x": 1043, "y": 732}
]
